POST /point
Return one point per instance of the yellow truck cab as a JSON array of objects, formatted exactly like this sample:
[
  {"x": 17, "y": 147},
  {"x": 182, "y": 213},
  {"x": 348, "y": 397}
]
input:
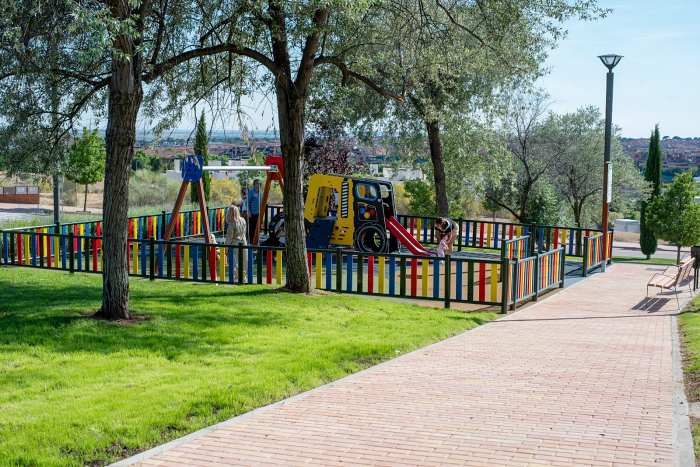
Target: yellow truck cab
[{"x": 349, "y": 211}]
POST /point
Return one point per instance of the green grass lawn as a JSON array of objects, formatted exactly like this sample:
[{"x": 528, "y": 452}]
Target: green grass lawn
[
  {"x": 650, "y": 261},
  {"x": 689, "y": 323},
  {"x": 75, "y": 391}
]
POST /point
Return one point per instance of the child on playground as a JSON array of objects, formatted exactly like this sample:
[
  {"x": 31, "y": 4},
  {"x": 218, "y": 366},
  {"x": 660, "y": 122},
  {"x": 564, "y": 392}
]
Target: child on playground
[{"x": 447, "y": 232}]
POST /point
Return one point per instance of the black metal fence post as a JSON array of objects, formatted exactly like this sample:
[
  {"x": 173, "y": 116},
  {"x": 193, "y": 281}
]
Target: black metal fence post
[
  {"x": 71, "y": 252},
  {"x": 536, "y": 278},
  {"x": 163, "y": 225},
  {"x": 562, "y": 268},
  {"x": 448, "y": 281},
  {"x": 505, "y": 262},
  {"x": 585, "y": 256}
]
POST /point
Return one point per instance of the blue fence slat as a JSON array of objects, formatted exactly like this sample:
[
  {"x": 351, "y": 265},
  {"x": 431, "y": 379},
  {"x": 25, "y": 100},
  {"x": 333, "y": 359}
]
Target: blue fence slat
[
  {"x": 32, "y": 247},
  {"x": 195, "y": 262},
  {"x": 250, "y": 266},
  {"x": 436, "y": 278},
  {"x": 348, "y": 274},
  {"x": 458, "y": 281},
  {"x": 495, "y": 235},
  {"x": 5, "y": 248},
  {"x": 63, "y": 248},
  {"x": 329, "y": 265},
  {"x": 392, "y": 275},
  {"x": 571, "y": 241},
  {"x": 229, "y": 253},
  {"x": 466, "y": 232}
]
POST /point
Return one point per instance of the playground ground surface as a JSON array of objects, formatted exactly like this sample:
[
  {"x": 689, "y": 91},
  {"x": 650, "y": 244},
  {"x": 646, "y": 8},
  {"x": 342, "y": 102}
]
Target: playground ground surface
[{"x": 77, "y": 391}]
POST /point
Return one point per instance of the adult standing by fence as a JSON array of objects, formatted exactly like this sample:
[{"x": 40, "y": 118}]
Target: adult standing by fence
[
  {"x": 235, "y": 233},
  {"x": 253, "y": 208}
]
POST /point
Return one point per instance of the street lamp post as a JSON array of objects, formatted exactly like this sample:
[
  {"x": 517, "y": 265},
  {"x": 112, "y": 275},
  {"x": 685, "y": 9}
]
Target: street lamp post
[{"x": 610, "y": 61}]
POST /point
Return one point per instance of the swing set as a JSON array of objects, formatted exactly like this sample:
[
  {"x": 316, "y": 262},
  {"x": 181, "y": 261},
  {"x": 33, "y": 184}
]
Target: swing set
[{"x": 192, "y": 170}]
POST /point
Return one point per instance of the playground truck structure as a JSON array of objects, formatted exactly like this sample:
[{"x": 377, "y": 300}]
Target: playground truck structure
[{"x": 355, "y": 212}]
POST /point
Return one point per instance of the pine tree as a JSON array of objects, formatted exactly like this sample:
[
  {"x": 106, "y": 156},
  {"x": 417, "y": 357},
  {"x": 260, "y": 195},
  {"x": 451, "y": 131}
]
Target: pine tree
[
  {"x": 652, "y": 174},
  {"x": 201, "y": 148}
]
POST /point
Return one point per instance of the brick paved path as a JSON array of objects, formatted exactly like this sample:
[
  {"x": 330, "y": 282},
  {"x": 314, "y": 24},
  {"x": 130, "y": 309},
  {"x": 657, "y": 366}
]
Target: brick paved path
[{"x": 581, "y": 378}]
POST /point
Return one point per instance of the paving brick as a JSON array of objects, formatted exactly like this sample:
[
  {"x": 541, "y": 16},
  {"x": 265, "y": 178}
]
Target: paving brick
[{"x": 581, "y": 378}]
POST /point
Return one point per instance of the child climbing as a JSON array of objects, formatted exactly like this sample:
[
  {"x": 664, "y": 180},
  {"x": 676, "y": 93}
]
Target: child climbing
[{"x": 447, "y": 232}]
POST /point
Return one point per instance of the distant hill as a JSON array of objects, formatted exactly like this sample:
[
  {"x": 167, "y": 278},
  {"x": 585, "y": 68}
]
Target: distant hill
[{"x": 680, "y": 154}]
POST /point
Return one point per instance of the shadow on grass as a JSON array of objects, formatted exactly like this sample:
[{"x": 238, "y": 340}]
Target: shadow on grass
[{"x": 180, "y": 321}]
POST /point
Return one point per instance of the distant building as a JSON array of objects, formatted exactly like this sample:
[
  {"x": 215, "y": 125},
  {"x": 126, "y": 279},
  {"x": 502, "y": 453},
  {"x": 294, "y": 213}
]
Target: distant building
[{"x": 402, "y": 174}]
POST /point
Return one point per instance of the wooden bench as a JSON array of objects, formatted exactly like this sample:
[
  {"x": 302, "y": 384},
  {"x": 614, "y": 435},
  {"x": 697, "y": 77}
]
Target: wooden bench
[{"x": 672, "y": 277}]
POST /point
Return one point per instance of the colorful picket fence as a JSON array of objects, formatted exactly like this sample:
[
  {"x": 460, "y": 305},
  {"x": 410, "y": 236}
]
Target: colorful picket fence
[
  {"x": 492, "y": 235},
  {"x": 447, "y": 280},
  {"x": 593, "y": 252},
  {"x": 518, "y": 247},
  {"x": 536, "y": 274}
]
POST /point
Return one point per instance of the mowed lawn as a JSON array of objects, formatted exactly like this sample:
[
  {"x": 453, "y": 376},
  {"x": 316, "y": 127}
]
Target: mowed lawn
[
  {"x": 75, "y": 391},
  {"x": 690, "y": 333}
]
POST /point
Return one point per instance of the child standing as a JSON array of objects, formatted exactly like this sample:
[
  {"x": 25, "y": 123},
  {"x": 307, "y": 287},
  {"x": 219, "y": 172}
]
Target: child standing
[{"x": 447, "y": 232}]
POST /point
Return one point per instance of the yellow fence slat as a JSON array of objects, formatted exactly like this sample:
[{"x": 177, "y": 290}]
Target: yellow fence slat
[
  {"x": 319, "y": 269},
  {"x": 380, "y": 272},
  {"x": 222, "y": 263},
  {"x": 494, "y": 282},
  {"x": 56, "y": 251},
  {"x": 135, "y": 257},
  {"x": 424, "y": 277},
  {"x": 278, "y": 268}
]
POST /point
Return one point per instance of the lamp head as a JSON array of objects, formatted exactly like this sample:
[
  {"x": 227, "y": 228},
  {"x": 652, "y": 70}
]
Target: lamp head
[{"x": 610, "y": 60}]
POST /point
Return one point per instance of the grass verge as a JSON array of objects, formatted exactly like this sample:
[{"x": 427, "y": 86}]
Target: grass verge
[
  {"x": 689, "y": 322},
  {"x": 650, "y": 261},
  {"x": 76, "y": 391}
]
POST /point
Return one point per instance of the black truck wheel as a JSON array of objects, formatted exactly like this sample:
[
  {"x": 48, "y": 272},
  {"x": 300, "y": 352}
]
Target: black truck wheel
[{"x": 371, "y": 238}]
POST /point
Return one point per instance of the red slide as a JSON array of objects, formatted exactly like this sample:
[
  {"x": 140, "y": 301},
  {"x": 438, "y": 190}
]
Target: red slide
[{"x": 405, "y": 237}]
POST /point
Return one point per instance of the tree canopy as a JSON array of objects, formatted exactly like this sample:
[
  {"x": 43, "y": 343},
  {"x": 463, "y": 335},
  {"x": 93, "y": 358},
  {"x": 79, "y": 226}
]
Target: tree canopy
[
  {"x": 674, "y": 215},
  {"x": 86, "y": 162}
]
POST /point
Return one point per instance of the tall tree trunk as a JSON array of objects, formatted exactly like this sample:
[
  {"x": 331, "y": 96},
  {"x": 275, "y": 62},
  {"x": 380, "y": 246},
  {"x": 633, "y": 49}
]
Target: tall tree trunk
[
  {"x": 125, "y": 96},
  {"x": 441, "y": 201},
  {"x": 85, "y": 199},
  {"x": 578, "y": 208},
  {"x": 290, "y": 109}
]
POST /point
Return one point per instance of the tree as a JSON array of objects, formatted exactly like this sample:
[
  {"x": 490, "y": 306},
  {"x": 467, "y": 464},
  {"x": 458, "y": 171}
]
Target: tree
[
  {"x": 86, "y": 162},
  {"x": 674, "y": 215},
  {"x": 652, "y": 173},
  {"x": 102, "y": 53},
  {"x": 201, "y": 148},
  {"x": 577, "y": 173},
  {"x": 329, "y": 155},
  {"x": 455, "y": 56},
  {"x": 533, "y": 151},
  {"x": 420, "y": 197}
]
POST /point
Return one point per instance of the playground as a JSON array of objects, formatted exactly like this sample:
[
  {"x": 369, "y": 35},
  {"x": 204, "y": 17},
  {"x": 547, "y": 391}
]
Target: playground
[{"x": 356, "y": 244}]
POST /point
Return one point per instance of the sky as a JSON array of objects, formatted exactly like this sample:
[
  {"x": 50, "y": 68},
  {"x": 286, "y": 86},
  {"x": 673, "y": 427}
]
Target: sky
[{"x": 657, "y": 81}]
